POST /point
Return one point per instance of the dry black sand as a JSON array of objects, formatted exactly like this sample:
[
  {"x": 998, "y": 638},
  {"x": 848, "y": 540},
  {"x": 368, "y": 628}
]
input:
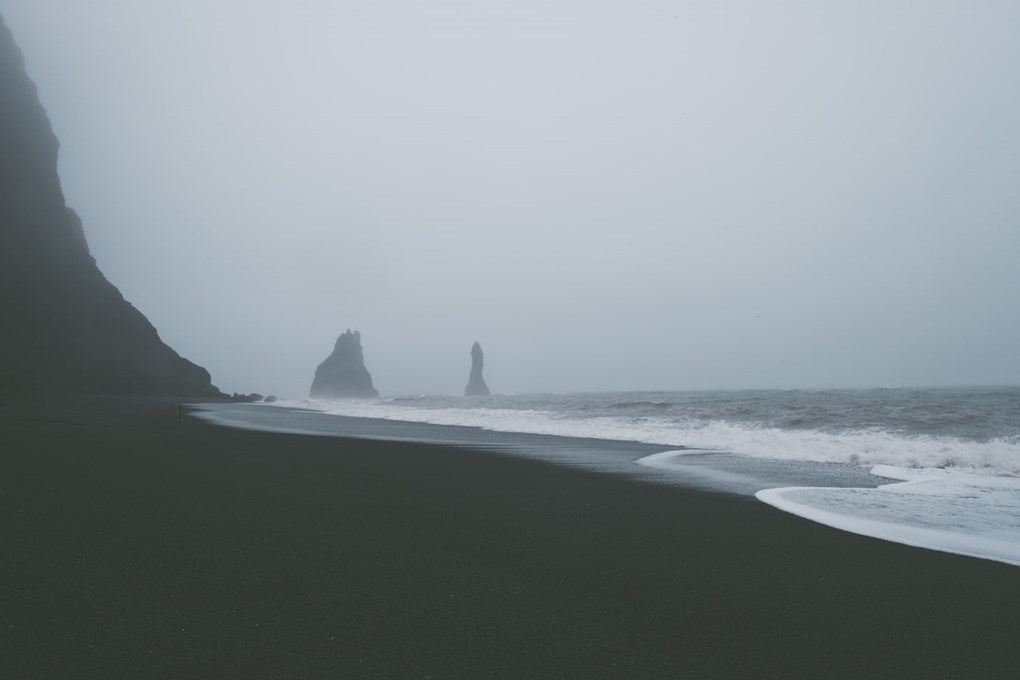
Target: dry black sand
[{"x": 136, "y": 546}]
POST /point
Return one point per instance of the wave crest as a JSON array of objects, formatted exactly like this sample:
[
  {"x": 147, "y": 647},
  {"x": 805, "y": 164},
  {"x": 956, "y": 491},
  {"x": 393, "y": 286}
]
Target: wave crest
[{"x": 1000, "y": 456}]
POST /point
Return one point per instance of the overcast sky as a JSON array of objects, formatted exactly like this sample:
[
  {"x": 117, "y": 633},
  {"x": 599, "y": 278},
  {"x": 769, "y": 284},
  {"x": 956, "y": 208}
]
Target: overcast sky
[{"x": 606, "y": 195}]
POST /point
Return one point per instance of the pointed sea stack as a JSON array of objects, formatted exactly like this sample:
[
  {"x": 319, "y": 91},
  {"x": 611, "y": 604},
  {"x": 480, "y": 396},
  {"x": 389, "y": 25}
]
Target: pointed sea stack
[
  {"x": 343, "y": 373},
  {"x": 66, "y": 329},
  {"x": 476, "y": 386}
]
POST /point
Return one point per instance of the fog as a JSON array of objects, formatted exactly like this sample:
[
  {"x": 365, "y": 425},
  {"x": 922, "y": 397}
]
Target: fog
[{"x": 607, "y": 196}]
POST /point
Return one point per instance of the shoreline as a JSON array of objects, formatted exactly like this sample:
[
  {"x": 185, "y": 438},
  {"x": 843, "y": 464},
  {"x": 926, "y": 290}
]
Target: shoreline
[
  {"x": 963, "y": 513},
  {"x": 140, "y": 546}
]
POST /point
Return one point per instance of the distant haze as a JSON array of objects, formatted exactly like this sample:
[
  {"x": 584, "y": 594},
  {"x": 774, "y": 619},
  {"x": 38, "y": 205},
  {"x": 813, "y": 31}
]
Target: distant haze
[{"x": 607, "y": 196}]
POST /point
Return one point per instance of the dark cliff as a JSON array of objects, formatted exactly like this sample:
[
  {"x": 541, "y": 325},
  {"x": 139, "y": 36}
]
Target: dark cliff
[
  {"x": 65, "y": 327},
  {"x": 343, "y": 373},
  {"x": 476, "y": 383}
]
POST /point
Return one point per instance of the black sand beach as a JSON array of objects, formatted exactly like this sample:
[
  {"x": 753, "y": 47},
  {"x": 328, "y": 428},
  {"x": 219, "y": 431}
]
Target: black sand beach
[{"x": 137, "y": 546}]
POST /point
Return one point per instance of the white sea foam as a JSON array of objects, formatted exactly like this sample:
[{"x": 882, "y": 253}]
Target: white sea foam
[
  {"x": 999, "y": 456},
  {"x": 951, "y": 511},
  {"x": 662, "y": 461}
]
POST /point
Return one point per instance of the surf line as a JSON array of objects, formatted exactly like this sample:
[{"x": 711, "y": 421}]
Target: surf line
[{"x": 971, "y": 544}]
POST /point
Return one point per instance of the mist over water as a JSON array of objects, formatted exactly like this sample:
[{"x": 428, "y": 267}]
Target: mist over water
[{"x": 607, "y": 196}]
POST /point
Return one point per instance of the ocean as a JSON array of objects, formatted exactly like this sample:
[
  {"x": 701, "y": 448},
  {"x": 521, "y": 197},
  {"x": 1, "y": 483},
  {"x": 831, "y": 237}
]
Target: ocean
[{"x": 935, "y": 468}]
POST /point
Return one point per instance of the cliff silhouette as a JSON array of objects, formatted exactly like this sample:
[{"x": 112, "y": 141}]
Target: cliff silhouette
[{"x": 65, "y": 327}]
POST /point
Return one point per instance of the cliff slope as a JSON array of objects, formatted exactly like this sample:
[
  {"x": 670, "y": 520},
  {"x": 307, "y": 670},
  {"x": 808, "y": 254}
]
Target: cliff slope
[{"x": 65, "y": 327}]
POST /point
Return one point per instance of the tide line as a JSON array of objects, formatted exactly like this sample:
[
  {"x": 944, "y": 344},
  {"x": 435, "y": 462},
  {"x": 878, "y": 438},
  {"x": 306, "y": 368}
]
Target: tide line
[{"x": 970, "y": 520}]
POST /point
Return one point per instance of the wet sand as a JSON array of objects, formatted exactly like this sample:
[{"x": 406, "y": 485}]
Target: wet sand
[{"x": 135, "y": 545}]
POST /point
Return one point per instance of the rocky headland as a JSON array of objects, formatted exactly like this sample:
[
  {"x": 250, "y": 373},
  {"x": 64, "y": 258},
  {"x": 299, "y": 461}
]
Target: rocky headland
[{"x": 65, "y": 327}]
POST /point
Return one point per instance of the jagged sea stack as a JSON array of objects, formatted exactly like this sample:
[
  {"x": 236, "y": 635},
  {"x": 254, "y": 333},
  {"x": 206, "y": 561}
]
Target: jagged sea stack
[
  {"x": 476, "y": 386},
  {"x": 343, "y": 373},
  {"x": 65, "y": 327}
]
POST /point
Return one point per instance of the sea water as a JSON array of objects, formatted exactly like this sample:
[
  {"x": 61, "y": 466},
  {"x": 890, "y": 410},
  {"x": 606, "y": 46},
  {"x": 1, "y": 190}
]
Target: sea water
[{"x": 935, "y": 468}]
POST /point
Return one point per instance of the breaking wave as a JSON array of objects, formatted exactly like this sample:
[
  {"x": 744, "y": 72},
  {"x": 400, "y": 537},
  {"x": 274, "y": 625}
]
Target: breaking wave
[{"x": 862, "y": 446}]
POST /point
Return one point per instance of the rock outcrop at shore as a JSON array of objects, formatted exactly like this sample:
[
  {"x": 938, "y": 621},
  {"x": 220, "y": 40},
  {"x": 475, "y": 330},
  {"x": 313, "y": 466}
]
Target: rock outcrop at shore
[
  {"x": 476, "y": 386},
  {"x": 65, "y": 327},
  {"x": 343, "y": 373}
]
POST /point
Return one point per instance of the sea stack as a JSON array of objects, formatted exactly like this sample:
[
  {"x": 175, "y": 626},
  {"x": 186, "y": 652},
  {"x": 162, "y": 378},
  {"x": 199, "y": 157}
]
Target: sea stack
[
  {"x": 66, "y": 329},
  {"x": 343, "y": 373},
  {"x": 476, "y": 386}
]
